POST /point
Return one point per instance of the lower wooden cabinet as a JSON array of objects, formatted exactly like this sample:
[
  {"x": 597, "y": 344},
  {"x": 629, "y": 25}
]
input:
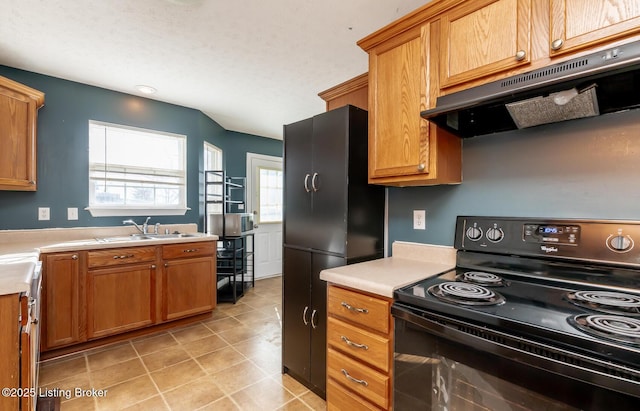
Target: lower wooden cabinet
[
  {"x": 88, "y": 295},
  {"x": 63, "y": 297},
  {"x": 188, "y": 279},
  {"x": 120, "y": 299},
  {"x": 359, "y": 351}
]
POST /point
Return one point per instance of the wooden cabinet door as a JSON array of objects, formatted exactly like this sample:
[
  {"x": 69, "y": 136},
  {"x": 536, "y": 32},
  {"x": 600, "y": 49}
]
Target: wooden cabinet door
[
  {"x": 188, "y": 287},
  {"x": 578, "y": 24},
  {"x": 483, "y": 37},
  {"x": 63, "y": 312},
  {"x": 120, "y": 299},
  {"x": 398, "y": 137},
  {"x": 18, "y": 119}
]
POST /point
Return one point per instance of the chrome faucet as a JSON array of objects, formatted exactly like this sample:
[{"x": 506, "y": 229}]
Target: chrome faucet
[{"x": 145, "y": 225}]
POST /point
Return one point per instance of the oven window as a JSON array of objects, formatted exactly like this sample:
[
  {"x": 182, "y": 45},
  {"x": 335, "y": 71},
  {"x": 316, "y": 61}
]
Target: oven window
[{"x": 436, "y": 373}]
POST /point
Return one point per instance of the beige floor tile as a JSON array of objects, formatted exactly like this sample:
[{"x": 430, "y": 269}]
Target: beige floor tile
[
  {"x": 223, "y": 324},
  {"x": 192, "y": 333},
  {"x": 238, "y": 377},
  {"x": 295, "y": 405},
  {"x": 235, "y": 309},
  {"x": 79, "y": 404},
  {"x": 239, "y": 334},
  {"x": 204, "y": 345},
  {"x": 266, "y": 395},
  {"x": 313, "y": 401},
  {"x": 176, "y": 375},
  {"x": 116, "y": 373},
  {"x": 56, "y": 370},
  {"x": 223, "y": 404},
  {"x": 257, "y": 347},
  {"x": 194, "y": 395},
  {"x": 219, "y": 360},
  {"x": 68, "y": 386},
  {"x": 271, "y": 365},
  {"x": 103, "y": 358},
  {"x": 154, "y": 343},
  {"x": 165, "y": 358},
  {"x": 258, "y": 314},
  {"x": 127, "y": 393},
  {"x": 151, "y": 404},
  {"x": 217, "y": 314},
  {"x": 289, "y": 383}
]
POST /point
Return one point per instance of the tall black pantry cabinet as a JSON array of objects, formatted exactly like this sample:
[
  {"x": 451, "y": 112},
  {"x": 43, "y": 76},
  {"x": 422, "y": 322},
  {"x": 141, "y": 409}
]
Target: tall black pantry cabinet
[{"x": 332, "y": 217}]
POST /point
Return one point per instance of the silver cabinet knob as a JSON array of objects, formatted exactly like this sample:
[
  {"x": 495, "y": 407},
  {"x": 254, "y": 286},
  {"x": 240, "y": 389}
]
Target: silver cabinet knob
[
  {"x": 520, "y": 55},
  {"x": 557, "y": 44},
  {"x": 422, "y": 166}
]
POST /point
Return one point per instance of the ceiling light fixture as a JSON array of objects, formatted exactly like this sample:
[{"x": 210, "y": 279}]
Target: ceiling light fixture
[{"x": 145, "y": 89}]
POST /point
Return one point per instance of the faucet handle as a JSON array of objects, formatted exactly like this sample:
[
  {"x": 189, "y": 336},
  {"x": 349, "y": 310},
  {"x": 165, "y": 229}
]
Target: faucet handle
[
  {"x": 156, "y": 229},
  {"x": 147, "y": 220}
]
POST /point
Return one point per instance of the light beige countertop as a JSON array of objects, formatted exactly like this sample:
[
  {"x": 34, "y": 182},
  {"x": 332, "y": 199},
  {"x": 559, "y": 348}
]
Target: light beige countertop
[
  {"x": 20, "y": 249},
  {"x": 410, "y": 262}
]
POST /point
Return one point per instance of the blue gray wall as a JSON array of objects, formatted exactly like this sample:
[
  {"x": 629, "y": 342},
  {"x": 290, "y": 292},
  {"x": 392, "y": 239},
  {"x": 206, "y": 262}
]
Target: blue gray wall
[
  {"x": 63, "y": 149},
  {"x": 587, "y": 168}
]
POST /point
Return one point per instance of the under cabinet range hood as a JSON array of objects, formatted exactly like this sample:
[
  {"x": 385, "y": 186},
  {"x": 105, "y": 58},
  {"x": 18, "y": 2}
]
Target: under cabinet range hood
[{"x": 604, "y": 82}]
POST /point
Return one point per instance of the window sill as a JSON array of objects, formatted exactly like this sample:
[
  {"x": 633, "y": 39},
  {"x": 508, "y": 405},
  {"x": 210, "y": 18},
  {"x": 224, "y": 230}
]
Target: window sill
[{"x": 134, "y": 211}]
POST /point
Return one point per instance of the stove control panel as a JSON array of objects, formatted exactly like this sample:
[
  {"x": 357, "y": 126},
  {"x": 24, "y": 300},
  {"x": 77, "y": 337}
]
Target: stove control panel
[
  {"x": 606, "y": 241},
  {"x": 551, "y": 233}
]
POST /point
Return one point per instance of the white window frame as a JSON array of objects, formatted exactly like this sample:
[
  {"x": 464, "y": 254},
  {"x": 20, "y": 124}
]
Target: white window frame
[
  {"x": 259, "y": 197},
  {"x": 217, "y": 152},
  {"x": 101, "y": 210}
]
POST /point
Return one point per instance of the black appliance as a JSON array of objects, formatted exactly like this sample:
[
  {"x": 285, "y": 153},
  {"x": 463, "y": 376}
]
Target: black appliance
[
  {"x": 603, "y": 82},
  {"x": 537, "y": 314},
  {"x": 332, "y": 217}
]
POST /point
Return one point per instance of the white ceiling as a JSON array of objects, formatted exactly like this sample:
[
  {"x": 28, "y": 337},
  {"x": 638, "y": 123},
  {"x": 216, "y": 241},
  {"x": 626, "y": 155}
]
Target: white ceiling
[{"x": 250, "y": 65}]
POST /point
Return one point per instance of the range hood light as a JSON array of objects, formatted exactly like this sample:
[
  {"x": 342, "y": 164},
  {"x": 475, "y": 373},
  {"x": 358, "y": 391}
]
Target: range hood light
[{"x": 563, "y": 97}]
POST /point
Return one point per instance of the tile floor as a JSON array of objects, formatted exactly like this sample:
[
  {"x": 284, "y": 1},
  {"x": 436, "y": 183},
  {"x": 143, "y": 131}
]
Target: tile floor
[{"x": 231, "y": 361}]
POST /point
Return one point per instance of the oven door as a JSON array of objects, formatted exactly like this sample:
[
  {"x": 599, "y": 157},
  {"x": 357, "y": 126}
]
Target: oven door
[{"x": 443, "y": 364}]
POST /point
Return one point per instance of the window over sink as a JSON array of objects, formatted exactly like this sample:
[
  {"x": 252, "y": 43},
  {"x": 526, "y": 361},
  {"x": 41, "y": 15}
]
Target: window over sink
[{"x": 134, "y": 171}]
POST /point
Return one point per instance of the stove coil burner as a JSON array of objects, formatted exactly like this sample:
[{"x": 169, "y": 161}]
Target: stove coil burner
[
  {"x": 607, "y": 302},
  {"x": 482, "y": 278},
  {"x": 612, "y": 327},
  {"x": 465, "y": 293}
]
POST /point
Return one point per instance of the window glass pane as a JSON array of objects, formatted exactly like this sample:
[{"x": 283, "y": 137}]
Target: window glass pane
[
  {"x": 130, "y": 167},
  {"x": 270, "y": 195},
  {"x": 213, "y": 161}
]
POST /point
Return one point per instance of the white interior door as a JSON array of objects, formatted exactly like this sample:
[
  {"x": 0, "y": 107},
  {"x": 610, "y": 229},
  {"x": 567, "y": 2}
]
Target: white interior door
[{"x": 264, "y": 189}]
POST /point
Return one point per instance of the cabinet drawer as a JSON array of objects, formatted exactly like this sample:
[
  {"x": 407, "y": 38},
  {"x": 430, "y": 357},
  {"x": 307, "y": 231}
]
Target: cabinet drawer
[
  {"x": 117, "y": 256},
  {"x": 188, "y": 250},
  {"x": 338, "y": 398},
  {"x": 362, "y": 309},
  {"x": 367, "y": 347},
  {"x": 359, "y": 378}
]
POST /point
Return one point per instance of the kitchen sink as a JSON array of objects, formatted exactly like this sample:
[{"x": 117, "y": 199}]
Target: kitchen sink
[{"x": 138, "y": 237}]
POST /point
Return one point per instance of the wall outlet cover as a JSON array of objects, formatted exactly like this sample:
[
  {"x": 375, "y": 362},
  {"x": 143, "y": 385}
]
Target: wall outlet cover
[
  {"x": 43, "y": 214},
  {"x": 72, "y": 213},
  {"x": 419, "y": 222}
]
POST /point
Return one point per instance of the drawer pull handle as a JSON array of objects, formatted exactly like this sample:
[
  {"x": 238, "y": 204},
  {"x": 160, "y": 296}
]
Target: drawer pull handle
[
  {"x": 351, "y": 343},
  {"x": 357, "y": 381},
  {"x": 190, "y": 250},
  {"x": 120, "y": 257},
  {"x": 354, "y": 309}
]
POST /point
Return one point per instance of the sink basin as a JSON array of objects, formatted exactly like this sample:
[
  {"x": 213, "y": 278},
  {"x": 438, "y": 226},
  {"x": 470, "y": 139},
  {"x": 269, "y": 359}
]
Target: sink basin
[
  {"x": 121, "y": 238},
  {"x": 173, "y": 235},
  {"x": 137, "y": 237}
]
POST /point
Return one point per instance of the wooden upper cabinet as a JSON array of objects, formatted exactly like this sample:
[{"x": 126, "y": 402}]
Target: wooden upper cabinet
[
  {"x": 399, "y": 138},
  {"x": 579, "y": 24},
  {"x": 480, "y": 38},
  {"x": 404, "y": 149},
  {"x": 19, "y": 106}
]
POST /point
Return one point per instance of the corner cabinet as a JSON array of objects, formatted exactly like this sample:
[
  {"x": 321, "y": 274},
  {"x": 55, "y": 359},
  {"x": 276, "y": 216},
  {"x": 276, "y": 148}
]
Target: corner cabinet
[
  {"x": 404, "y": 149},
  {"x": 19, "y": 106}
]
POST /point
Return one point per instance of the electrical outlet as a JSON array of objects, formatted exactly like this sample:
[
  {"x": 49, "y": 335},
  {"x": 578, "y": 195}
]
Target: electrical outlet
[
  {"x": 419, "y": 222},
  {"x": 72, "y": 213},
  {"x": 43, "y": 213}
]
